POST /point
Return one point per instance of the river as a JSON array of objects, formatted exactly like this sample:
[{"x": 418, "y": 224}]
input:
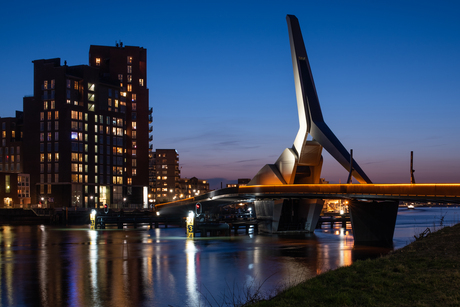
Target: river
[{"x": 75, "y": 266}]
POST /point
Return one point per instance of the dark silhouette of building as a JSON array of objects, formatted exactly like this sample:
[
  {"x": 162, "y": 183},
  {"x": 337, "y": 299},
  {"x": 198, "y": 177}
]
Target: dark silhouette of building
[{"x": 87, "y": 130}]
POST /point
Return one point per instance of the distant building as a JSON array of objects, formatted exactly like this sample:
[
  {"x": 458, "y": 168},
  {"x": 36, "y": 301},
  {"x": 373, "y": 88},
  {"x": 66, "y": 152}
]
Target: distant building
[
  {"x": 14, "y": 184},
  {"x": 241, "y": 183},
  {"x": 166, "y": 175},
  {"x": 192, "y": 187}
]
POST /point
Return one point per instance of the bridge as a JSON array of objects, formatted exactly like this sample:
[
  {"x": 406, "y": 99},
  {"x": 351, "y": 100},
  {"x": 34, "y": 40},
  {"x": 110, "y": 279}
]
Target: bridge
[{"x": 290, "y": 188}]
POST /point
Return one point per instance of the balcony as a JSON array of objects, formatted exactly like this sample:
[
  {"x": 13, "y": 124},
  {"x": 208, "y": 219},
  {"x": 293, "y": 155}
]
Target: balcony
[
  {"x": 150, "y": 118},
  {"x": 150, "y": 138},
  {"x": 150, "y": 129},
  {"x": 150, "y": 111}
]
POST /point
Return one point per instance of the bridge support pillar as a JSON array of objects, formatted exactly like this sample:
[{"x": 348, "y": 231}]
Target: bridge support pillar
[
  {"x": 373, "y": 222},
  {"x": 269, "y": 212},
  {"x": 310, "y": 210}
]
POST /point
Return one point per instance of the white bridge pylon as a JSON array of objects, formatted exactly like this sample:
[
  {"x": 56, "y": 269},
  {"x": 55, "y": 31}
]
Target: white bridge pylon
[{"x": 302, "y": 163}]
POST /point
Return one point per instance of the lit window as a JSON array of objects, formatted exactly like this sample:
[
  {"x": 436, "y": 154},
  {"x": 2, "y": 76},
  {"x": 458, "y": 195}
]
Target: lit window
[
  {"x": 134, "y": 125},
  {"x": 130, "y": 88},
  {"x": 91, "y": 87},
  {"x": 133, "y": 97},
  {"x": 129, "y": 59},
  {"x": 120, "y": 77},
  {"x": 98, "y": 61},
  {"x": 53, "y": 82},
  {"x": 141, "y": 82},
  {"x": 130, "y": 78},
  {"x": 56, "y": 114},
  {"x": 90, "y": 96},
  {"x": 53, "y": 104},
  {"x": 130, "y": 69},
  {"x": 45, "y": 84},
  {"x": 75, "y": 85}
]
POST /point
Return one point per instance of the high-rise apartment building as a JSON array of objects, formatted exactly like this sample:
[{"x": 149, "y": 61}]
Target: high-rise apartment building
[{"x": 87, "y": 130}]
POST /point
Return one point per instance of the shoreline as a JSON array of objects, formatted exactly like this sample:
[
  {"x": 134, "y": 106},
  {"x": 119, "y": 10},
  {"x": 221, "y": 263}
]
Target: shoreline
[{"x": 424, "y": 273}]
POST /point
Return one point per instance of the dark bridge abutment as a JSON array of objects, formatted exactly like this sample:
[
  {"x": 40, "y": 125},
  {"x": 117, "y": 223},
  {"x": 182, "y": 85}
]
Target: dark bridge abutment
[{"x": 373, "y": 222}]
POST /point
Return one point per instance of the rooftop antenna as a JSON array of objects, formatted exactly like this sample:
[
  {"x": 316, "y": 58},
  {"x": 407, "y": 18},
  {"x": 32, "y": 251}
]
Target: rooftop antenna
[{"x": 412, "y": 179}]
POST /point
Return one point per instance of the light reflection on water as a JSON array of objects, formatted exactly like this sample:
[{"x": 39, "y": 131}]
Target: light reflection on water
[{"x": 52, "y": 266}]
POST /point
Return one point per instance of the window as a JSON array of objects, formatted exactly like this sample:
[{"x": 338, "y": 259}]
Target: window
[
  {"x": 120, "y": 77},
  {"x": 53, "y": 82},
  {"x": 134, "y": 125},
  {"x": 98, "y": 61},
  {"x": 56, "y": 114},
  {"x": 129, "y": 69},
  {"x": 90, "y": 97},
  {"x": 91, "y": 87},
  {"x": 134, "y": 106},
  {"x": 45, "y": 84},
  {"x": 129, "y": 60},
  {"x": 56, "y": 125},
  {"x": 75, "y": 85},
  {"x": 141, "y": 82},
  {"x": 53, "y": 104},
  {"x": 133, "y": 97},
  {"x": 68, "y": 83},
  {"x": 130, "y": 88},
  {"x": 130, "y": 78}
]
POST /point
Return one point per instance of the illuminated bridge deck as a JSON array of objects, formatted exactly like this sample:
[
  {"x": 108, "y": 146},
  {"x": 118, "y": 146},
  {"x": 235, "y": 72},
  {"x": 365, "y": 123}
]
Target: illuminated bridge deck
[{"x": 425, "y": 192}]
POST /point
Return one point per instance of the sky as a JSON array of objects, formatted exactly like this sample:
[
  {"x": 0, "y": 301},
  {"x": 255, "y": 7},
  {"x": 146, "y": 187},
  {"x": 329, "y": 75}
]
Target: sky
[{"x": 221, "y": 84}]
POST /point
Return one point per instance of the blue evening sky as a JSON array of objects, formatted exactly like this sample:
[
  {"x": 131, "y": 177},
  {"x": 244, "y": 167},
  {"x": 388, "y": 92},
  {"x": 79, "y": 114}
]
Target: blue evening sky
[{"x": 221, "y": 83}]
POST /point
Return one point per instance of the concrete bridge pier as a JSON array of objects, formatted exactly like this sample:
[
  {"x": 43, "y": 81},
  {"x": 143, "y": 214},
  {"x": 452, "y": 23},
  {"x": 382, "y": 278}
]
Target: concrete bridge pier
[
  {"x": 268, "y": 212},
  {"x": 373, "y": 222},
  {"x": 281, "y": 215}
]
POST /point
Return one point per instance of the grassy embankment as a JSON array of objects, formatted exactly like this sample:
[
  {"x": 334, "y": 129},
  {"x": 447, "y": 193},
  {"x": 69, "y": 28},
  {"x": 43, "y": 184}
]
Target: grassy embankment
[{"x": 424, "y": 273}]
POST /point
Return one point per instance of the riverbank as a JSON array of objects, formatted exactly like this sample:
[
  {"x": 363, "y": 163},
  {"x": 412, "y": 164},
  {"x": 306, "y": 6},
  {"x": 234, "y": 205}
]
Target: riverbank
[{"x": 424, "y": 273}]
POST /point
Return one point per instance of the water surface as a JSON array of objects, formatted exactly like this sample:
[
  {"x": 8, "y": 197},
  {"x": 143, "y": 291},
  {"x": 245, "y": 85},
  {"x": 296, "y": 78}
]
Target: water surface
[{"x": 76, "y": 266}]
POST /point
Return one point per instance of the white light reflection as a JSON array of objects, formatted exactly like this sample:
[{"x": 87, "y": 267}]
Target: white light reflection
[
  {"x": 43, "y": 267},
  {"x": 93, "y": 259},
  {"x": 346, "y": 245},
  {"x": 192, "y": 290}
]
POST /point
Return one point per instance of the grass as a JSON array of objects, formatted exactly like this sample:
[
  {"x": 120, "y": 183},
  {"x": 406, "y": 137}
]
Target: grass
[{"x": 424, "y": 273}]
